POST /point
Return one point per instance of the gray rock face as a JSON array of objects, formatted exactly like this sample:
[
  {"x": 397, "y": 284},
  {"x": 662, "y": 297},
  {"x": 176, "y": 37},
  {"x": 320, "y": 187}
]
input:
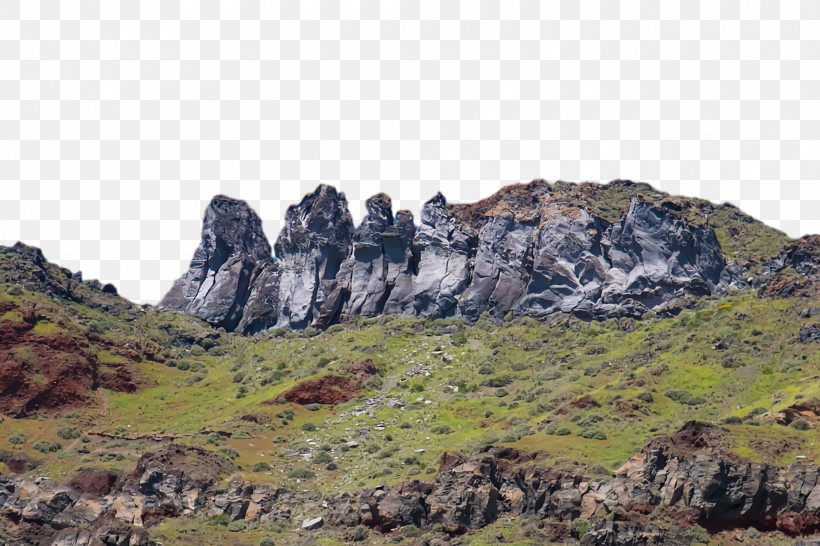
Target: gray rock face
[
  {"x": 380, "y": 263},
  {"x": 529, "y": 251},
  {"x": 443, "y": 248},
  {"x": 232, "y": 253},
  {"x": 315, "y": 241}
]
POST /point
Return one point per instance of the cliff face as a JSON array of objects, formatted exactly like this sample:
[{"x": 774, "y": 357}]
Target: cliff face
[
  {"x": 655, "y": 498},
  {"x": 532, "y": 249}
]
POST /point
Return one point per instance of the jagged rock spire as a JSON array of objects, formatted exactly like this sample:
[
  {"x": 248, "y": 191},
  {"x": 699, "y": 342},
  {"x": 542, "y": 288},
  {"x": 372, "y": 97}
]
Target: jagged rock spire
[
  {"x": 532, "y": 249},
  {"x": 232, "y": 251}
]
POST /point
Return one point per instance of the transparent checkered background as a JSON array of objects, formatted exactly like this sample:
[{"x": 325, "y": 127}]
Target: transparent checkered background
[{"x": 120, "y": 119}]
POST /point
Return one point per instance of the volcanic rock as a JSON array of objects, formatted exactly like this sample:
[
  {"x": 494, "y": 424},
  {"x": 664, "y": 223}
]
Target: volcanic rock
[
  {"x": 532, "y": 250},
  {"x": 232, "y": 253}
]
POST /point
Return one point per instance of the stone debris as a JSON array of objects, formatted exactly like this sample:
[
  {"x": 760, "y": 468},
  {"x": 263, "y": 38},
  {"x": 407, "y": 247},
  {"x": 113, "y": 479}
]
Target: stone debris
[{"x": 311, "y": 524}]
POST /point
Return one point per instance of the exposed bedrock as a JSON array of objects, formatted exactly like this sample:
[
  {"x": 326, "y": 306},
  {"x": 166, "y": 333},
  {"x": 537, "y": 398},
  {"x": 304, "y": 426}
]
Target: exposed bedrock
[
  {"x": 529, "y": 250},
  {"x": 654, "y": 498}
]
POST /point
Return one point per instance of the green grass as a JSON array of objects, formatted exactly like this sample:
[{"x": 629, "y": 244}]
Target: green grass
[{"x": 543, "y": 368}]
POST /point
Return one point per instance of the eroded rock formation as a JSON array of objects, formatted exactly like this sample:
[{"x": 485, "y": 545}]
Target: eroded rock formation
[
  {"x": 529, "y": 250},
  {"x": 655, "y": 498}
]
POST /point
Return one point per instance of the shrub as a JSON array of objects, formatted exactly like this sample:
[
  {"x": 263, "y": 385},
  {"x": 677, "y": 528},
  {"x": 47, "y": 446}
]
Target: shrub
[
  {"x": 229, "y": 452},
  {"x": 685, "y": 398},
  {"x": 15, "y": 290},
  {"x": 191, "y": 379},
  {"x": 261, "y": 467},
  {"x": 501, "y": 393},
  {"x": 563, "y": 431},
  {"x": 236, "y": 526},
  {"x": 213, "y": 438},
  {"x": 486, "y": 369},
  {"x": 18, "y": 438},
  {"x": 183, "y": 365},
  {"x": 700, "y": 535},
  {"x": 578, "y": 527},
  {"x": 499, "y": 381},
  {"x": 323, "y": 457},
  {"x": 312, "y": 407},
  {"x": 592, "y": 433},
  {"x": 239, "y": 377},
  {"x": 310, "y": 427},
  {"x": 374, "y": 383},
  {"x": 800, "y": 424},
  {"x": 646, "y": 396},
  {"x": 47, "y": 447},
  {"x": 67, "y": 433},
  {"x": 240, "y": 435},
  {"x": 301, "y": 474},
  {"x": 732, "y": 420},
  {"x": 410, "y": 531},
  {"x": 441, "y": 429},
  {"x": 599, "y": 469},
  {"x": 267, "y": 541}
]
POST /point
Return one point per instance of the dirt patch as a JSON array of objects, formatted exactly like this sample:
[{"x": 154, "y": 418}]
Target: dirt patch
[
  {"x": 363, "y": 370},
  {"x": 155, "y": 516},
  {"x": 93, "y": 483},
  {"x": 18, "y": 463},
  {"x": 794, "y": 524},
  {"x": 772, "y": 450},
  {"x": 585, "y": 402},
  {"x": 331, "y": 389},
  {"x": 200, "y": 468},
  {"x": 694, "y": 436},
  {"x": 47, "y": 373}
]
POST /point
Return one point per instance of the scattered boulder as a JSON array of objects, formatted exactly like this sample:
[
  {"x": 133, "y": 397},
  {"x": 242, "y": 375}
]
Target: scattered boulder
[{"x": 311, "y": 524}]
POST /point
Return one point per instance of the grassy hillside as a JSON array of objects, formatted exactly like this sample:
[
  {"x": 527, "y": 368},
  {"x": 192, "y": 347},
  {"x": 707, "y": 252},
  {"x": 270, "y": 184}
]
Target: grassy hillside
[{"x": 587, "y": 394}]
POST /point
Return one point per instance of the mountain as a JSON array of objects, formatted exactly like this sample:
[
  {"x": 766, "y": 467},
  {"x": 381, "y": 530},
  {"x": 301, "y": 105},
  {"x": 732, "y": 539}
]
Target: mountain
[
  {"x": 596, "y": 251},
  {"x": 558, "y": 363}
]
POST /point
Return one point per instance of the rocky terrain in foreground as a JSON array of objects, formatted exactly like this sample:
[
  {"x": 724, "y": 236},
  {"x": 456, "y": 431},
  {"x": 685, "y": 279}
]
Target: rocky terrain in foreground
[
  {"x": 687, "y": 477},
  {"x": 558, "y": 363}
]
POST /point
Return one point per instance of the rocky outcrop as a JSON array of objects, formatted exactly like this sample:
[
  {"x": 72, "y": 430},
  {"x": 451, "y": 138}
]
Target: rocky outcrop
[
  {"x": 794, "y": 272},
  {"x": 232, "y": 254},
  {"x": 531, "y": 250},
  {"x": 655, "y": 498},
  {"x": 313, "y": 244}
]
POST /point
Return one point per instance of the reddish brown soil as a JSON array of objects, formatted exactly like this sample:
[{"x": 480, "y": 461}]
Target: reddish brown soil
[
  {"x": 363, "y": 370},
  {"x": 694, "y": 436},
  {"x": 795, "y": 524},
  {"x": 585, "y": 402},
  {"x": 331, "y": 389},
  {"x": 18, "y": 463},
  {"x": 48, "y": 373},
  {"x": 93, "y": 483}
]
